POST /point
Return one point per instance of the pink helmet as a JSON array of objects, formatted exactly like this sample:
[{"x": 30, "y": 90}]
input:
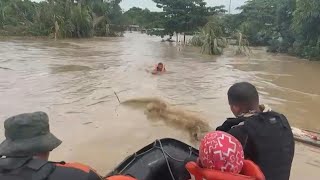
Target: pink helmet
[{"x": 221, "y": 151}]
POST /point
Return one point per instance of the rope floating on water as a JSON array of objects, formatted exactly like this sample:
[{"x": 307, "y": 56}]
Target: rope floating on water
[
  {"x": 118, "y": 101},
  {"x": 117, "y": 97}
]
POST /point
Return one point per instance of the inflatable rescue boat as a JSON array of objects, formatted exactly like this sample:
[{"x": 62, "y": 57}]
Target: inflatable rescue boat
[
  {"x": 160, "y": 160},
  {"x": 170, "y": 159}
]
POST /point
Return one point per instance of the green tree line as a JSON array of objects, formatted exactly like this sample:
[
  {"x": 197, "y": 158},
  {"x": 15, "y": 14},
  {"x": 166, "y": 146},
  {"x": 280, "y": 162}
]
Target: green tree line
[
  {"x": 286, "y": 26},
  {"x": 186, "y": 16},
  {"x": 62, "y": 18},
  {"x": 144, "y": 18}
]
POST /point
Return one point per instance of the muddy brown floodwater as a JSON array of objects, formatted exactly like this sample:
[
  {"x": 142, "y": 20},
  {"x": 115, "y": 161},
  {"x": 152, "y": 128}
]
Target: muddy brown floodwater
[{"x": 74, "y": 82}]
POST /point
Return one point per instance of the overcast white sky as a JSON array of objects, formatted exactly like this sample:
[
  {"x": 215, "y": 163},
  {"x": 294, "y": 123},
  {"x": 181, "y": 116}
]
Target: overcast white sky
[{"x": 127, "y": 4}]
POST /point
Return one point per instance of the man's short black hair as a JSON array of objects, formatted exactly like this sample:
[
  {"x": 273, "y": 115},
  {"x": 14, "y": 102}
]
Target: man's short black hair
[{"x": 243, "y": 94}]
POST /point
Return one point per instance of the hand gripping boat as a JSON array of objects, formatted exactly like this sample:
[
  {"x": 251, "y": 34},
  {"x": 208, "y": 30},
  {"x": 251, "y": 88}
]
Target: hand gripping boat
[{"x": 161, "y": 160}]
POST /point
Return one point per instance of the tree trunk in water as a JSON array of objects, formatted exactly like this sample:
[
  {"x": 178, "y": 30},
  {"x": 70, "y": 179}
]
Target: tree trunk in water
[
  {"x": 55, "y": 27},
  {"x": 177, "y": 37},
  {"x": 240, "y": 39},
  {"x": 107, "y": 29},
  {"x": 78, "y": 31},
  {"x": 2, "y": 14},
  {"x": 56, "y": 31},
  {"x": 78, "y": 28},
  {"x": 184, "y": 38},
  {"x": 240, "y": 42}
]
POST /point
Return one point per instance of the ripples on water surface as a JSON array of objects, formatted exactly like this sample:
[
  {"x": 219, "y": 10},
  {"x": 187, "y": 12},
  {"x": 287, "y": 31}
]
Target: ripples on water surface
[{"x": 74, "y": 81}]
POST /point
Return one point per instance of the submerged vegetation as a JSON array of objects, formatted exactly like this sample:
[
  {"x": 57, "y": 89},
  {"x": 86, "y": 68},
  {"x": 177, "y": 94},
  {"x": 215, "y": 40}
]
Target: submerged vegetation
[
  {"x": 185, "y": 16},
  {"x": 285, "y": 26},
  {"x": 60, "y": 18},
  {"x": 210, "y": 38},
  {"x": 243, "y": 45},
  {"x": 144, "y": 18}
]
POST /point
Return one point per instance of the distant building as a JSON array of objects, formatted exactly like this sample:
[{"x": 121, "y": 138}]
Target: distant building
[{"x": 134, "y": 28}]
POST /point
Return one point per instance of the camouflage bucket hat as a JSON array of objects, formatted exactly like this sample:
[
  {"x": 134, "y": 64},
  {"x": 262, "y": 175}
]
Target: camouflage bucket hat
[{"x": 28, "y": 134}]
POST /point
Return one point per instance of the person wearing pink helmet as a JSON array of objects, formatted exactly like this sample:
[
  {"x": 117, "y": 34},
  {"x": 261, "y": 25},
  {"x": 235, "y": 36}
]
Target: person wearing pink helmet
[
  {"x": 221, "y": 157},
  {"x": 221, "y": 151}
]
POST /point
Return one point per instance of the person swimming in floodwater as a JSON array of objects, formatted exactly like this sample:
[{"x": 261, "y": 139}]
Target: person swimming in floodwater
[{"x": 160, "y": 68}]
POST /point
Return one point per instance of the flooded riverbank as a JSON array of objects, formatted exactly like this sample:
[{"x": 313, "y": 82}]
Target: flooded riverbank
[{"x": 74, "y": 82}]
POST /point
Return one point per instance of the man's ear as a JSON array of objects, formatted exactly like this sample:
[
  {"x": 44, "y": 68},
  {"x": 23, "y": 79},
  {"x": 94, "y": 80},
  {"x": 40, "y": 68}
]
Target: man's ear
[{"x": 235, "y": 109}]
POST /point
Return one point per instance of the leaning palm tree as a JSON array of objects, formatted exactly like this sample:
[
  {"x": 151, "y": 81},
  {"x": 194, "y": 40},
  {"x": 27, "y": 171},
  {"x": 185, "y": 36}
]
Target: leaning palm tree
[
  {"x": 210, "y": 38},
  {"x": 82, "y": 20},
  {"x": 213, "y": 43},
  {"x": 243, "y": 45},
  {"x": 197, "y": 39}
]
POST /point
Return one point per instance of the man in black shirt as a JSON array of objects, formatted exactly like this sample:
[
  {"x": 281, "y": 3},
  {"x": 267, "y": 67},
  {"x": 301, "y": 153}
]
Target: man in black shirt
[{"x": 266, "y": 135}]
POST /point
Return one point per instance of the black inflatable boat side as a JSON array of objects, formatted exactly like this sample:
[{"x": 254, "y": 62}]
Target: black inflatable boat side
[{"x": 162, "y": 159}]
